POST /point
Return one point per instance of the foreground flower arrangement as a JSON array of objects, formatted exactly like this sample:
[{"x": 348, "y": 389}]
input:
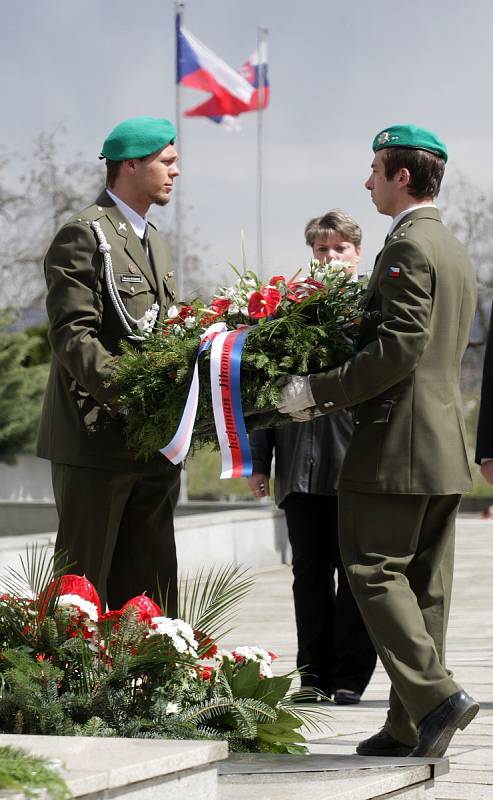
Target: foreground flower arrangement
[
  {"x": 296, "y": 326},
  {"x": 66, "y": 668}
]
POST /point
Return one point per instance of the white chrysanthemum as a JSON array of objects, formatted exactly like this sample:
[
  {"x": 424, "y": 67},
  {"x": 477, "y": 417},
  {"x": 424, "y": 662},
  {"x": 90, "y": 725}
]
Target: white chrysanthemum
[
  {"x": 179, "y": 644},
  {"x": 186, "y": 630},
  {"x": 172, "y": 312},
  {"x": 257, "y": 654},
  {"x": 180, "y": 633},
  {"x": 88, "y": 608},
  {"x": 224, "y": 655},
  {"x": 162, "y": 626},
  {"x": 190, "y": 322},
  {"x": 171, "y": 708},
  {"x": 246, "y": 652}
]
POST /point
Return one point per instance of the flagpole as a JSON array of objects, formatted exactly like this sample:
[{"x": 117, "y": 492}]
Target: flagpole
[
  {"x": 179, "y": 262},
  {"x": 261, "y": 45}
]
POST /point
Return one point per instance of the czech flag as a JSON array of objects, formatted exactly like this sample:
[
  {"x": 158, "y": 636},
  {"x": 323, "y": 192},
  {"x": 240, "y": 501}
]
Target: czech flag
[{"x": 233, "y": 92}]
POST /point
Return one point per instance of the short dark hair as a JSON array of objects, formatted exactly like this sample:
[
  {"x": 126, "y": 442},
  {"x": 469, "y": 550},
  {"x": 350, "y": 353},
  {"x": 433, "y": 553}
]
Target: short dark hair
[
  {"x": 334, "y": 221},
  {"x": 112, "y": 170},
  {"x": 426, "y": 169}
]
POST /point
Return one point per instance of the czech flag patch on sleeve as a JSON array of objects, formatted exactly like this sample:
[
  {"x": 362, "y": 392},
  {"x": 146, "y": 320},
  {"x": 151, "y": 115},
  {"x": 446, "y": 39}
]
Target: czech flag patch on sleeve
[{"x": 394, "y": 272}]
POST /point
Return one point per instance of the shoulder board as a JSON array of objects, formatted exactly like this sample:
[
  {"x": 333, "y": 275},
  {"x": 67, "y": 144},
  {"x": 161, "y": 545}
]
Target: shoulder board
[
  {"x": 401, "y": 232},
  {"x": 88, "y": 214}
]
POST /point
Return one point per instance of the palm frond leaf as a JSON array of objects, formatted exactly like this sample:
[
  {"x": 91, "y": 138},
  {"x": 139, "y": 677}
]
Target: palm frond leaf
[{"x": 208, "y": 601}]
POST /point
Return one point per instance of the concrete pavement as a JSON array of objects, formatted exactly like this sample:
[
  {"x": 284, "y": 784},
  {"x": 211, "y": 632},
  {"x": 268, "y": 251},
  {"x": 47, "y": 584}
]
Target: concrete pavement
[{"x": 266, "y": 619}]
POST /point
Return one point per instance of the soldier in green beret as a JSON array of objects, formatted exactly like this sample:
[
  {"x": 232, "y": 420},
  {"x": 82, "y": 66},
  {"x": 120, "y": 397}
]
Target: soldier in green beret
[
  {"x": 406, "y": 466},
  {"x": 109, "y": 277}
]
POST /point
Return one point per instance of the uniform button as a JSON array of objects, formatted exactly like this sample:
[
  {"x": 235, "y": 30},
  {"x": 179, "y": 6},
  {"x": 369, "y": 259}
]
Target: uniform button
[
  {"x": 329, "y": 404},
  {"x": 132, "y": 289},
  {"x": 311, "y": 460},
  {"x": 100, "y": 208}
]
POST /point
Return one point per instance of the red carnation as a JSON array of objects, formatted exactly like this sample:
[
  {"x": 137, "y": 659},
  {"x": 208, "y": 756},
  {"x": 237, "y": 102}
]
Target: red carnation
[
  {"x": 205, "y": 641},
  {"x": 220, "y": 304},
  {"x": 206, "y": 673},
  {"x": 264, "y": 303},
  {"x": 146, "y": 607}
]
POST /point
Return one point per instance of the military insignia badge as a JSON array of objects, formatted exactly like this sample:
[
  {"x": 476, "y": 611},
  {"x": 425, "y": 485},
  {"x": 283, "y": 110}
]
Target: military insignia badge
[
  {"x": 384, "y": 137},
  {"x": 122, "y": 226},
  {"x": 394, "y": 272}
]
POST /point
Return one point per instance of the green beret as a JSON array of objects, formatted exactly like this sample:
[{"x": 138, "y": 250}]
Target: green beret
[
  {"x": 410, "y": 136},
  {"x": 138, "y": 137}
]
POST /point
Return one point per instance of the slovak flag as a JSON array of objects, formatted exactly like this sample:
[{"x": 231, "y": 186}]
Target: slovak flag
[
  {"x": 233, "y": 92},
  {"x": 255, "y": 72}
]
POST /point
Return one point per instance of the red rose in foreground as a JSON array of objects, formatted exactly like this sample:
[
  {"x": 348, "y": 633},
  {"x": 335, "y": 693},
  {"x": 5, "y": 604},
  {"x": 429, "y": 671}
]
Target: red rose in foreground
[
  {"x": 220, "y": 304},
  {"x": 264, "y": 303},
  {"x": 146, "y": 607}
]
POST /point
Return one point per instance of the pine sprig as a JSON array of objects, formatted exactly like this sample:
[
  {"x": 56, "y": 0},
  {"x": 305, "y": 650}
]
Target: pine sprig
[{"x": 310, "y": 336}]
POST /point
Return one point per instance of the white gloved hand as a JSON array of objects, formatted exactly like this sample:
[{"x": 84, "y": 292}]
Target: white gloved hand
[{"x": 296, "y": 395}]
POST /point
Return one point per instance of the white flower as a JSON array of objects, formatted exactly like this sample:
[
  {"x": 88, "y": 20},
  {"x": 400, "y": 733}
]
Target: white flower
[
  {"x": 180, "y": 633},
  {"x": 171, "y": 708},
  {"x": 172, "y": 312},
  {"x": 233, "y": 308},
  {"x": 189, "y": 322},
  {"x": 187, "y": 631},
  {"x": 244, "y": 311},
  {"x": 88, "y": 608},
  {"x": 224, "y": 655},
  {"x": 257, "y": 654}
]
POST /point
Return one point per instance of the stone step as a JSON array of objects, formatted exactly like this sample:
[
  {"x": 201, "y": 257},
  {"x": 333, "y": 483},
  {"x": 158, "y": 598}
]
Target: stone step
[
  {"x": 137, "y": 769},
  {"x": 327, "y": 777}
]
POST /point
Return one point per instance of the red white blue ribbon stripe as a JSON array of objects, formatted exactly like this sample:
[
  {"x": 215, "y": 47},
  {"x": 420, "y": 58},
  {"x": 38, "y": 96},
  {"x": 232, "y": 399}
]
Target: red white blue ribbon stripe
[
  {"x": 226, "y": 351},
  {"x": 236, "y": 457},
  {"x": 179, "y": 446}
]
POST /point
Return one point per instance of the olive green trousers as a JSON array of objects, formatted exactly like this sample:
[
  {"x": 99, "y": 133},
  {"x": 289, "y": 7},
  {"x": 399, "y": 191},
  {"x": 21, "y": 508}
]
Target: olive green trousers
[
  {"x": 398, "y": 552},
  {"x": 117, "y": 529}
]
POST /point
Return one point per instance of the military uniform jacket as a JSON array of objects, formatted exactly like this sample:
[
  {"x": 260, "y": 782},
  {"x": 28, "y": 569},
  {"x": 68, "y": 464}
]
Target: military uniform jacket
[
  {"x": 484, "y": 441},
  {"x": 409, "y": 430},
  {"x": 79, "y": 423}
]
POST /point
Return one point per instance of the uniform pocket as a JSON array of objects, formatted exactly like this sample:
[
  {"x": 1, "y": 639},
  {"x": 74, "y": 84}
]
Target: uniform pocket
[
  {"x": 136, "y": 297},
  {"x": 373, "y": 413}
]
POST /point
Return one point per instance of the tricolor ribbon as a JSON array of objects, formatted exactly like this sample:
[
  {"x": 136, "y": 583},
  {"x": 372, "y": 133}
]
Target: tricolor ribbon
[
  {"x": 236, "y": 456},
  {"x": 179, "y": 446}
]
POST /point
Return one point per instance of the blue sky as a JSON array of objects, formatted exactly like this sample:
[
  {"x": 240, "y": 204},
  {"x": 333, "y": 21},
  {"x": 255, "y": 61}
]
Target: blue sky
[{"x": 339, "y": 73}]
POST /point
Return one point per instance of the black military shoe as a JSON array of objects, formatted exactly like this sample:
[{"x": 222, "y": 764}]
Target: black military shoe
[
  {"x": 437, "y": 728},
  {"x": 383, "y": 744}
]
